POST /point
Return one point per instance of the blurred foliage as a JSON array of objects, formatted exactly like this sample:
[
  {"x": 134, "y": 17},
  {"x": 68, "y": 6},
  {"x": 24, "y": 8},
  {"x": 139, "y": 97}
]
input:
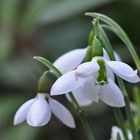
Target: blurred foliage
[{"x": 50, "y": 28}]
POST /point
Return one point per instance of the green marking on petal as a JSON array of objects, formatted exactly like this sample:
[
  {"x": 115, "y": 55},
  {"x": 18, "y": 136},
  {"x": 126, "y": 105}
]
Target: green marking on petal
[{"x": 102, "y": 76}]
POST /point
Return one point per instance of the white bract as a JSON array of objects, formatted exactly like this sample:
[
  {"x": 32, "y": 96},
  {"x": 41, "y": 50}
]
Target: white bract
[
  {"x": 85, "y": 77},
  {"x": 70, "y": 61},
  {"x": 37, "y": 112},
  {"x": 117, "y": 132}
]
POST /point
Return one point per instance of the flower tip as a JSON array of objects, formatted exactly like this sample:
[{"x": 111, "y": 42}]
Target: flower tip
[
  {"x": 52, "y": 92},
  {"x": 34, "y": 124},
  {"x": 121, "y": 104},
  {"x": 17, "y": 121},
  {"x": 73, "y": 126}
]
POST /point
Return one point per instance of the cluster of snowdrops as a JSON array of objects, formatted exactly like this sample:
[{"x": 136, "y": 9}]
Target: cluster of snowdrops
[{"x": 85, "y": 76}]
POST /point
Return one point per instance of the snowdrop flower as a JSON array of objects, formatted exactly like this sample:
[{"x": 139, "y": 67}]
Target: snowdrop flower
[
  {"x": 70, "y": 61},
  {"x": 37, "y": 112},
  {"x": 117, "y": 131},
  {"x": 95, "y": 82}
]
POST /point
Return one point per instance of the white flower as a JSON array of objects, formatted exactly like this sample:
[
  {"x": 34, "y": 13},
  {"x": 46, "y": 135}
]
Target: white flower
[
  {"x": 70, "y": 61},
  {"x": 117, "y": 131},
  {"x": 85, "y": 77},
  {"x": 38, "y": 111}
]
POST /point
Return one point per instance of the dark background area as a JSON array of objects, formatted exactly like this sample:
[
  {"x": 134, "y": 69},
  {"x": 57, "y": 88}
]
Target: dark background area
[{"x": 50, "y": 28}]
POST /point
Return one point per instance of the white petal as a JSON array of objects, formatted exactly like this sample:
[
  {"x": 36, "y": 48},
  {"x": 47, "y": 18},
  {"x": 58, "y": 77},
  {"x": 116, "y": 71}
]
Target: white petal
[
  {"x": 66, "y": 83},
  {"x": 87, "y": 69},
  {"x": 129, "y": 135},
  {"x": 117, "y": 57},
  {"x": 115, "y": 132},
  {"x": 124, "y": 71},
  {"x": 80, "y": 97},
  {"x": 70, "y": 60},
  {"x": 105, "y": 55},
  {"x": 21, "y": 114},
  {"x": 110, "y": 74},
  {"x": 62, "y": 113},
  {"x": 90, "y": 90},
  {"x": 112, "y": 95},
  {"x": 39, "y": 113}
]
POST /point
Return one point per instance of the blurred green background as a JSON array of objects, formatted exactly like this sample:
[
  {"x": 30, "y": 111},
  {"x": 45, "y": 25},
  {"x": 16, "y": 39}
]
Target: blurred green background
[{"x": 50, "y": 28}]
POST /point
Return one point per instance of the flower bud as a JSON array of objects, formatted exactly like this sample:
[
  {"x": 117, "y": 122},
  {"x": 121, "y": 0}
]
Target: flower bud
[
  {"x": 46, "y": 81},
  {"x": 97, "y": 49},
  {"x": 88, "y": 54},
  {"x": 90, "y": 38}
]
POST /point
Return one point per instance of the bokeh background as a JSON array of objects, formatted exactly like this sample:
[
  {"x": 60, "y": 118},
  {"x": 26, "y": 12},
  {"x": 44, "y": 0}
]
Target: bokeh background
[{"x": 50, "y": 28}]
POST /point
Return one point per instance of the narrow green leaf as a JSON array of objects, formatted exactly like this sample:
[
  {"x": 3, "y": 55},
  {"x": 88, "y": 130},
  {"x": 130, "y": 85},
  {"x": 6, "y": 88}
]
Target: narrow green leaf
[
  {"x": 136, "y": 97},
  {"x": 48, "y": 64},
  {"x": 106, "y": 43}
]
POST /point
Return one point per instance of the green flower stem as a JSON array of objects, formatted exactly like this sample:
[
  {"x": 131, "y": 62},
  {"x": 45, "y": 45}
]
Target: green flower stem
[
  {"x": 120, "y": 120},
  {"x": 86, "y": 126},
  {"x": 121, "y": 84},
  {"x": 117, "y": 111},
  {"x": 128, "y": 110},
  {"x": 114, "y": 27},
  {"x": 83, "y": 119}
]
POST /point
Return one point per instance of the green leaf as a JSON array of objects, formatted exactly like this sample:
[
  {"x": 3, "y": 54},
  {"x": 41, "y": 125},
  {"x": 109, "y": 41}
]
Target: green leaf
[
  {"x": 136, "y": 97},
  {"x": 106, "y": 43},
  {"x": 48, "y": 64}
]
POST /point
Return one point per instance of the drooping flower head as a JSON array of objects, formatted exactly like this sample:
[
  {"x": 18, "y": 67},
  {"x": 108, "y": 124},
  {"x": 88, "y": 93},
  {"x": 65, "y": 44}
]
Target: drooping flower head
[
  {"x": 95, "y": 79},
  {"x": 38, "y": 110}
]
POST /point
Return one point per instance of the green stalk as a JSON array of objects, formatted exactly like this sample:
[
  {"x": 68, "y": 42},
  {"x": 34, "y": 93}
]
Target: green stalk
[
  {"x": 120, "y": 120},
  {"x": 121, "y": 84},
  {"x": 83, "y": 119},
  {"x": 117, "y": 111},
  {"x": 128, "y": 110},
  {"x": 86, "y": 126}
]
